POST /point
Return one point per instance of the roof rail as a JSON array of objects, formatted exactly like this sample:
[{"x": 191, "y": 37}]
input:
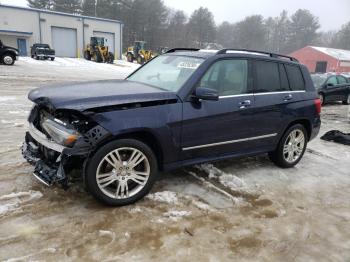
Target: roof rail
[
  {"x": 173, "y": 50},
  {"x": 224, "y": 51}
]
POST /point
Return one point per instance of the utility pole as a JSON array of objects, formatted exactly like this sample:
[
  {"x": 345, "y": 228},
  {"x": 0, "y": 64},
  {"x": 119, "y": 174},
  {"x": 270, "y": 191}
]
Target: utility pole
[{"x": 96, "y": 1}]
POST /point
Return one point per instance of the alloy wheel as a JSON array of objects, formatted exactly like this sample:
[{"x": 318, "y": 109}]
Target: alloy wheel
[
  {"x": 123, "y": 173},
  {"x": 294, "y": 146},
  {"x": 8, "y": 60}
]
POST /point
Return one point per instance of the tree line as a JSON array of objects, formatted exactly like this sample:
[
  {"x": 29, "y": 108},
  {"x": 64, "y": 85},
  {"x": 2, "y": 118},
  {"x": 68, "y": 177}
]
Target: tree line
[{"x": 161, "y": 26}]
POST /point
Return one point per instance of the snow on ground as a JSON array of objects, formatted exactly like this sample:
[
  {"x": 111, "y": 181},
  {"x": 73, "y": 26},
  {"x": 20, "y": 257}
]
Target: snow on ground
[
  {"x": 165, "y": 197},
  {"x": 233, "y": 210}
]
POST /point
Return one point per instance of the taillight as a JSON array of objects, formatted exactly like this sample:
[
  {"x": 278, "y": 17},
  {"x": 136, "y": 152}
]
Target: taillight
[{"x": 318, "y": 105}]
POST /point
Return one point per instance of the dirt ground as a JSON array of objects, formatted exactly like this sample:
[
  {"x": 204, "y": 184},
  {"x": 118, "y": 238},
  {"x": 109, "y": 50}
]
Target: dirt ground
[{"x": 235, "y": 210}]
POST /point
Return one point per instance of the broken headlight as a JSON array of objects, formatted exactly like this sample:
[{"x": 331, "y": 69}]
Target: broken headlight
[{"x": 60, "y": 133}]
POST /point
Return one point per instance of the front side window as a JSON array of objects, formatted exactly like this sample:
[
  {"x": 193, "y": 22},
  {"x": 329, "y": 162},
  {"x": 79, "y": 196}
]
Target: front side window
[
  {"x": 332, "y": 80},
  {"x": 295, "y": 77},
  {"x": 228, "y": 77},
  {"x": 342, "y": 80},
  {"x": 168, "y": 72},
  {"x": 267, "y": 77}
]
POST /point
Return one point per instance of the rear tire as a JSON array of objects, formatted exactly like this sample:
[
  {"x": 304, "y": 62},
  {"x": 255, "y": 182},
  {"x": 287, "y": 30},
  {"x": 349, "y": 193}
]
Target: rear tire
[
  {"x": 111, "y": 172},
  {"x": 347, "y": 101},
  {"x": 52, "y": 58},
  {"x": 291, "y": 147}
]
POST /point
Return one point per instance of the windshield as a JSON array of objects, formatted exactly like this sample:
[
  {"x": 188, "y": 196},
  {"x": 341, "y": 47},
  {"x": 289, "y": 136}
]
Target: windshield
[
  {"x": 318, "y": 80},
  {"x": 42, "y": 46},
  {"x": 167, "y": 72}
]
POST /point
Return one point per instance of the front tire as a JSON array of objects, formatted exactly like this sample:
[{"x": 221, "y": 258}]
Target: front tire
[
  {"x": 321, "y": 96},
  {"x": 121, "y": 172},
  {"x": 291, "y": 147},
  {"x": 130, "y": 58},
  {"x": 8, "y": 59}
]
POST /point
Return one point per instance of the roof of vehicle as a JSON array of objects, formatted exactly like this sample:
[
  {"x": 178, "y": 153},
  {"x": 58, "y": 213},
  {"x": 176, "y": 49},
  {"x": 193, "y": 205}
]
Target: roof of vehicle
[{"x": 204, "y": 53}]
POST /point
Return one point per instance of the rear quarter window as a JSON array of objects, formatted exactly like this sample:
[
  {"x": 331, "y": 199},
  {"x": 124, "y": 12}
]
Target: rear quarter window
[{"x": 295, "y": 77}]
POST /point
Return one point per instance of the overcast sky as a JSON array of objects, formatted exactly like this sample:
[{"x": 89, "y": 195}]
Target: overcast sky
[{"x": 332, "y": 14}]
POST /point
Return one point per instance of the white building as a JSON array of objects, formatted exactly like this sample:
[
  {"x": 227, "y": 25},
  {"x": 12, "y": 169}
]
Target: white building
[{"x": 68, "y": 34}]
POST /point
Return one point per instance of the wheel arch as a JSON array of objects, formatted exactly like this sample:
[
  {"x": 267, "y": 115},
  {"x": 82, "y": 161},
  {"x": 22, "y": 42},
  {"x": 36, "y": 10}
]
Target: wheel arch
[
  {"x": 304, "y": 122},
  {"x": 145, "y": 136},
  {"x": 11, "y": 53}
]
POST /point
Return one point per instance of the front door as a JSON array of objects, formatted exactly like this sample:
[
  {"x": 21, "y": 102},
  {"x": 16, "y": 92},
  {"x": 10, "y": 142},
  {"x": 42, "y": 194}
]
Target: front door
[
  {"x": 22, "y": 46},
  {"x": 334, "y": 91},
  {"x": 213, "y": 128}
]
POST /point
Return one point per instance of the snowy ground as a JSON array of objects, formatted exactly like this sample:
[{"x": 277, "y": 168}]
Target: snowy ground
[{"x": 243, "y": 209}]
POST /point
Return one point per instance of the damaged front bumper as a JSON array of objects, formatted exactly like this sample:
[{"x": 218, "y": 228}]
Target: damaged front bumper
[{"x": 53, "y": 161}]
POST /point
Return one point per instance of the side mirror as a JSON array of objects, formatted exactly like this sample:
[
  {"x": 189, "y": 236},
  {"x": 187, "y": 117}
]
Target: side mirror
[
  {"x": 206, "y": 94},
  {"x": 329, "y": 85}
]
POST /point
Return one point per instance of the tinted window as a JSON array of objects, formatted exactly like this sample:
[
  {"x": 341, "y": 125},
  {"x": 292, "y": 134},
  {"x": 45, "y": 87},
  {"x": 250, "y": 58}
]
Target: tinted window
[
  {"x": 295, "y": 77},
  {"x": 332, "y": 80},
  {"x": 267, "y": 77},
  {"x": 342, "y": 80},
  {"x": 228, "y": 77},
  {"x": 283, "y": 78}
]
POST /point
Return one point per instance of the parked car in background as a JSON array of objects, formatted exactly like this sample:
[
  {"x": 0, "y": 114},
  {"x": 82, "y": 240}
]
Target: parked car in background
[
  {"x": 8, "y": 55},
  {"x": 182, "y": 108},
  {"x": 332, "y": 88},
  {"x": 42, "y": 51}
]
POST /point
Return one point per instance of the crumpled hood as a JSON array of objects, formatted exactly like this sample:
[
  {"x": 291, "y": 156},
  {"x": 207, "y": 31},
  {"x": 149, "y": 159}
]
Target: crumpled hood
[{"x": 88, "y": 95}]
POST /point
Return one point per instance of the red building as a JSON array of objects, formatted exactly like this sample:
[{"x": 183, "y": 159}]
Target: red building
[{"x": 323, "y": 59}]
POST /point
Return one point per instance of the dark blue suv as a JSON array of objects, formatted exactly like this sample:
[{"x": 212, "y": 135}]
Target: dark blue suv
[{"x": 185, "y": 107}]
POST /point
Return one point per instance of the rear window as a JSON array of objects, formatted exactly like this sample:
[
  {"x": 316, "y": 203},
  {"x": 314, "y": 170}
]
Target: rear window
[
  {"x": 295, "y": 77},
  {"x": 267, "y": 77}
]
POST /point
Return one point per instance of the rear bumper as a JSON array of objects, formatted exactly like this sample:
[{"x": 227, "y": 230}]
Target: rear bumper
[{"x": 45, "y": 56}]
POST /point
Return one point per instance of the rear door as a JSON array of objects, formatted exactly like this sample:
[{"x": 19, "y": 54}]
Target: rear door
[
  {"x": 343, "y": 88},
  {"x": 274, "y": 98},
  {"x": 213, "y": 128}
]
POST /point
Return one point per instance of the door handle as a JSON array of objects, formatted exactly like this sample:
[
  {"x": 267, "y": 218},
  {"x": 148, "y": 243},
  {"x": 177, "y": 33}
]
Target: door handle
[
  {"x": 244, "y": 104},
  {"x": 288, "y": 97}
]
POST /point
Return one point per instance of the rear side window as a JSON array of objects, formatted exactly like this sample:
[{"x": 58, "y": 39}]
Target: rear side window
[
  {"x": 295, "y": 77},
  {"x": 283, "y": 78},
  {"x": 267, "y": 77}
]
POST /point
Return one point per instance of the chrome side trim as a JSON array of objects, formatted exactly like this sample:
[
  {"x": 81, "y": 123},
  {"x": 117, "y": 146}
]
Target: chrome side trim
[
  {"x": 280, "y": 92},
  {"x": 230, "y": 142},
  {"x": 42, "y": 139},
  {"x": 236, "y": 95}
]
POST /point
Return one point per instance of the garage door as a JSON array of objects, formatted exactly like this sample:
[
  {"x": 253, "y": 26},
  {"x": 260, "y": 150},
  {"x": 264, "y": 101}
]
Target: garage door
[
  {"x": 107, "y": 36},
  {"x": 64, "y": 41}
]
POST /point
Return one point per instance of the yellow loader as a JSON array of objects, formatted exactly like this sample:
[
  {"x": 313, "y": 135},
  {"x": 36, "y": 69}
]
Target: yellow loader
[
  {"x": 97, "y": 51},
  {"x": 139, "y": 53}
]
